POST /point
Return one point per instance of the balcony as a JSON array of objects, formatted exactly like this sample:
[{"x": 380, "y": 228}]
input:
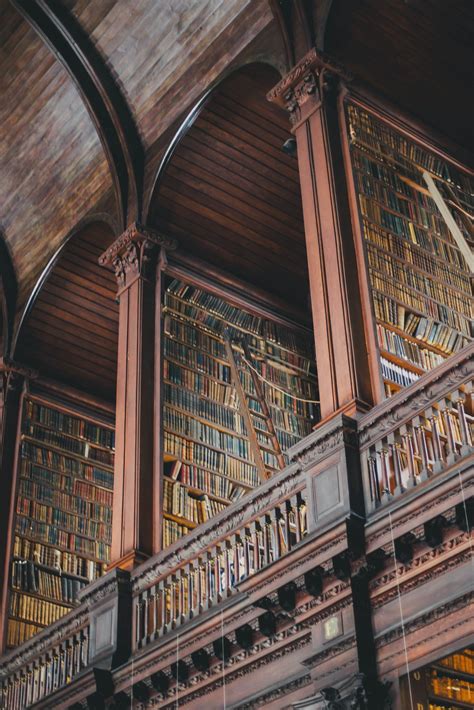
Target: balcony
[{"x": 275, "y": 573}]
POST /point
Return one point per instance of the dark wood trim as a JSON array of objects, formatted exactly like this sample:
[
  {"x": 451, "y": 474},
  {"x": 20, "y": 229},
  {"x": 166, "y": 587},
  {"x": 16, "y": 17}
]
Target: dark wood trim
[
  {"x": 71, "y": 399},
  {"x": 101, "y": 94},
  {"x": 8, "y": 293}
]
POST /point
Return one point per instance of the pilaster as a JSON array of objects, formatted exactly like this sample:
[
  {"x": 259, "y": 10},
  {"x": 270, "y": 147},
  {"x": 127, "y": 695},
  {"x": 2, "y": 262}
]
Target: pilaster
[
  {"x": 134, "y": 257},
  {"x": 348, "y": 379},
  {"x": 12, "y": 386}
]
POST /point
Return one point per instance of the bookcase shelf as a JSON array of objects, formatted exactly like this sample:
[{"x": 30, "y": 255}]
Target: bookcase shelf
[
  {"x": 216, "y": 430},
  {"x": 446, "y": 684},
  {"x": 421, "y": 285},
  {"x": 63, "y": 512}
]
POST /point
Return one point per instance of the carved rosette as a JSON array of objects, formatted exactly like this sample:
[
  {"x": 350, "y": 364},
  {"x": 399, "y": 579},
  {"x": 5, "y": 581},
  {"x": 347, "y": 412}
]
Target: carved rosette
[
  {"x": 302, "y": 90},
  {"x": 133, "y": 254}
]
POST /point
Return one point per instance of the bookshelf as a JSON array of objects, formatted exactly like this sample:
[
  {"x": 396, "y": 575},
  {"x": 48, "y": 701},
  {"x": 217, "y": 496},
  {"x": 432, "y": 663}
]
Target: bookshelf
[
  {"x": 447, "y": 684},
  {"x": 420, "y": 282},
  {"x": 229, "y": 415},
  {"x": 63, "y": 513}
]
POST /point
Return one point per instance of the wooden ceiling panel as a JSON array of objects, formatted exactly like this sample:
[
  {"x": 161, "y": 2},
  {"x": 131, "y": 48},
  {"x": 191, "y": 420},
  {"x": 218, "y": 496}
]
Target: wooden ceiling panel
[
  {"x": 151, "y": 46},
  {"x": 71, "y": 332},
  {"x": 231, "y": 196},
  {"x": 52, "y": 165}
]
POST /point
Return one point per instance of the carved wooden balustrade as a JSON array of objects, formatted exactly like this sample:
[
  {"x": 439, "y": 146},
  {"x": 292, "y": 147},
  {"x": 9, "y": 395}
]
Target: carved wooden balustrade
[
  {"x": 204, "y": 568},
  {"x": 45, "y": 663},
  {"x": 420, "y": 432}
]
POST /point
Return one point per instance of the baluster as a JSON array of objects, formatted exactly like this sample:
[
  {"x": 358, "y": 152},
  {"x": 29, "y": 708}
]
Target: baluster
[
  {"x": 216, "y": 572},
  {"x": 295, "y": 503},
  {"x": 466, "y": 437},
  {"x": 200, "y": 585},
  {"x": 29, "y": 686},
  {"x": 267, "y": 540},
  {"x": 227, "y": 567},
  {"x": 69, "y": 666},
  {"x": 246, "y": 540},
  {"x": 432, "y": 416},
  {"x": 138, "y": 617},
  {"x": 408, "y": 444},
  {"x": 373, "y": 480},
  {"x": 17, "y": 692},
  {"x": 76, "y": 656},
  {"x": 235, "y": 560},
  {"x": 85, "y": 648},
  {"x": 255, "y": 562},
  {"x": 286, "y": 519},
  {"x": 161, "y": 601},
  {"x": 181, "y": 594},
  {"x": 393, "y": 448},
  {"x": 47, "y": 688},
  {"x": 187, "y": 592},
  {"x": 172, "y": 592},
  {"x": 276, "y": 515},
  {"x": 153, "y": 611},
  {"x": 381, "y": 453},
  {"x": 448, "y": 428},
  {"x": 420, "y": 434},
  {"x": 62, "y": 661}
]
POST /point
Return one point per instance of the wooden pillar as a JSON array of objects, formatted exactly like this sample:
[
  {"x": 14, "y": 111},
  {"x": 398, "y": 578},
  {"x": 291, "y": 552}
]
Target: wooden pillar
[
  {"x": 12, "y": 385},
  {"x": 136, "y": 514},
  {"x": 349, "y": 379}
]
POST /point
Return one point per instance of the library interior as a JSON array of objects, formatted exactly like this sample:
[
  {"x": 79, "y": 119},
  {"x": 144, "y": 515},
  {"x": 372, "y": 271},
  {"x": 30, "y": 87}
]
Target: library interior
[{"x": 236, "y": 340}]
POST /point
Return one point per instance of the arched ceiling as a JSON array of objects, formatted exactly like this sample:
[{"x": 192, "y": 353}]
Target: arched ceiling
[
  {"x": 231, "y": 195},
  {"x": 52, "y": 166},
  {"x": 70, "y": 335}
]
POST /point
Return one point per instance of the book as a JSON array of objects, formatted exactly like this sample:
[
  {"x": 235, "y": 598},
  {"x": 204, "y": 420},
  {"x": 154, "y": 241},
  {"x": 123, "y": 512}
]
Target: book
[
  {"x": 215, "y": 426},
  {"x": 421, "y": 285},
  {"x": 63, "y": 514}
]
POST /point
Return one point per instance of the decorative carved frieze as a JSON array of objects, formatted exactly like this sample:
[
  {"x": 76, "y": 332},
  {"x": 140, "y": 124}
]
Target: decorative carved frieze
[
  {"x": 307, "y": 82},
  {"x": 330, "y": 437},
  {"x": 132, "y": 254}
]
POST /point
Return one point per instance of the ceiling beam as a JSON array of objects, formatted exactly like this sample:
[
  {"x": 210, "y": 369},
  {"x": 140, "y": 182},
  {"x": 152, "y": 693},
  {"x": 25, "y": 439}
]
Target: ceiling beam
[{"x": 102, "y": 97}]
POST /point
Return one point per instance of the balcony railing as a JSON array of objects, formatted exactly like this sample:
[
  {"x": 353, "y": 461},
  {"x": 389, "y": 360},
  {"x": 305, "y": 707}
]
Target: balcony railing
[
  {"x": 46, "y": 663},
  {"x": 204, "y": 568},
  {"x": 420, "y": 432}
]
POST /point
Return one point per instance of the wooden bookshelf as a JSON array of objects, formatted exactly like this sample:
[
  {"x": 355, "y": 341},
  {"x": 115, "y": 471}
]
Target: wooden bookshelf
[
  {"x": 63, "y": 513},
  {"x": 211, "y": 457},
  {"x": 421, "y": 285},
  {"x": 447, "y": 684}
]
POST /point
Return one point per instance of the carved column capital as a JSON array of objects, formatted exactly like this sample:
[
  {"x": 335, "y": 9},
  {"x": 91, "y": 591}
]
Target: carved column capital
[
  {"x": 132, "y": 254},
  {"x": 302, "y": 90},
  {"x": 13, "y": 373}
]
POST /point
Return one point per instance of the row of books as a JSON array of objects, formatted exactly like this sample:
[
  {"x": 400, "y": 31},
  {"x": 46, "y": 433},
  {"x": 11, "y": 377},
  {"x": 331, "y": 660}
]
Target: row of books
[
  {"x": 18, "y": 632},
  {"x": 197, "y": 360},
  {"x": 195, "y": 404},
  {"x": 453, "y": 689},
  {"x": 397, "y": 271},
  {"x": 172, "y": 531},
  {"x": 39, "y": 611},
  {"x": 463, "y": 661},
  {"x": 69, "y": 424},
  {"x": 65, "y": 483},
  {"x": 66, "y": 521},
  {"x": 66, "y": 442},
  {"x": 44, "y": 532},
  {"x": 400, "y": 375},
  {"x": 413, "y": 300},
  {"x": 210, "y": 459},
  {"x": 30, "y": 577},
  {"x": 208, "y": 482},
  {"x": 408, "y": 208},
  {"x": 443, "y": 268},
  {"x": 197, "y": 382},
  {"x": 403, "y": 227},
  {"x": 427, "y": 330},
  {"x": 191, "y": 334},
  {"x": 54, "y": 461},
  {"x": 384, "y": 140},
  {"x": 70, "y": 503},
  {"x": 179, "y": 501},
  {"x": 407, "y": 349},
  {"x": 293, "y": 383},
  {"x": 67, "y": 562},
  {"x": 181, "y": 423},
  {"x": 217, "y": 314}
]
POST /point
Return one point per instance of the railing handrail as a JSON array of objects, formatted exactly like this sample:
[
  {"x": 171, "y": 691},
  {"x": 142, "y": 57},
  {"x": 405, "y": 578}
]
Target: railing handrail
[
  {"x": 286, "y": 482},
  {"x": 44, "y": 641},
  {"x": 411, "y": 400}
]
